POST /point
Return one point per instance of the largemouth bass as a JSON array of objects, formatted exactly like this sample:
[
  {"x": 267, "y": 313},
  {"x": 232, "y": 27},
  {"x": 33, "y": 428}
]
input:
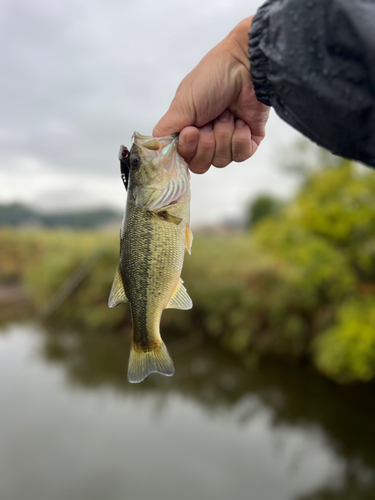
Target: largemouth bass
[{"x": 154, "y": 235}]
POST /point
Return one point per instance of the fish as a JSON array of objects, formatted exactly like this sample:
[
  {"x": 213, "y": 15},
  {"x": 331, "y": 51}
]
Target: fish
[{"x": 154, "y": 235}]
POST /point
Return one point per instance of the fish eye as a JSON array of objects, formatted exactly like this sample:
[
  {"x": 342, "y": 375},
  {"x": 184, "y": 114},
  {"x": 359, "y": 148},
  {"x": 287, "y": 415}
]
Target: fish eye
[
  {"x": 134, "y": 160},
  {"x": 125, "y": 153}
]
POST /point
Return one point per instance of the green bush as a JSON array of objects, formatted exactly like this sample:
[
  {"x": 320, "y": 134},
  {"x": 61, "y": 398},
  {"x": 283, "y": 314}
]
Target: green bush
[
  {"x": 327, "y": 234},
  {"x": 346, "y": 351}
]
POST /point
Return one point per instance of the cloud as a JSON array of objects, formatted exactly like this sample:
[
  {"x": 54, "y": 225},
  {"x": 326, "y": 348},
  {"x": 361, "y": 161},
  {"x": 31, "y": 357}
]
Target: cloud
[
  {"x": 79, "y": 76},
  {"x": 35, "y": 183}
]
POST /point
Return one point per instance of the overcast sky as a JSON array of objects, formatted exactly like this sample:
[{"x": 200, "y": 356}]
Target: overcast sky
[{"x": 79, "y": 76}]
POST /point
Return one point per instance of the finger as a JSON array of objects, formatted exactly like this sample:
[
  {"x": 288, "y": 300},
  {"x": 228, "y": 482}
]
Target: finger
[
  {"x": 223, "y": 132},
  {"x": 241, "y": 142},
  {"x": 169, "y": 124},
  {"x": 202, "y": 159},
  {"x": 180, "y": 114},
  {"x": 256, "y": 140},
  {"x": 188, "y": 142}
]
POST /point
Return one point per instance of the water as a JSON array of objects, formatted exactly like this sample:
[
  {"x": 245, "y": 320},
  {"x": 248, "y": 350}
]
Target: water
[{"x": 72, "y": 427}]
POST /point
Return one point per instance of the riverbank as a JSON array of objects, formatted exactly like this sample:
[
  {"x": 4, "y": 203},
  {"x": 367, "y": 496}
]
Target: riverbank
[
  {"x": 249, "y": 302},
  {"x": 299, "y": 287}
]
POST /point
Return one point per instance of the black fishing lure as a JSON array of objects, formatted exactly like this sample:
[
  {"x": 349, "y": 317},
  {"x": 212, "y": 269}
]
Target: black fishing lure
[{"x": 125, "y": 165}]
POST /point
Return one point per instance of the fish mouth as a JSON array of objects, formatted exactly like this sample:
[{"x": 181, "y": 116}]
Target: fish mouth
[
  {"x": 153, "y": 143},
  {"x": 161, "y": 149}
]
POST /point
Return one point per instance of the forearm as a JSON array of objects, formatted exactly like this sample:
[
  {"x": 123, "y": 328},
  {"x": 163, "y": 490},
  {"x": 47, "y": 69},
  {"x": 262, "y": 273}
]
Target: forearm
[{"x": 314, "y": 62}]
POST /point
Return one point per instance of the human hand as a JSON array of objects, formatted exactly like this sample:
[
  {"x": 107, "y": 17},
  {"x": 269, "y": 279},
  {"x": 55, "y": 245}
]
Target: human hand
[{"x": 215, "y": 109}]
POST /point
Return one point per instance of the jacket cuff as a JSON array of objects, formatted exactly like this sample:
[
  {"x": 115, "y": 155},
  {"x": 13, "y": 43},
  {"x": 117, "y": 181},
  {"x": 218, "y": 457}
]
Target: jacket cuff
[{"x": 258, "y": 60}]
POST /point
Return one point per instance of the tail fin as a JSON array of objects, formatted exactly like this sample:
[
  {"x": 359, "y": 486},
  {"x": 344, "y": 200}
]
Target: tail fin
[{"x": 142, "y": 363}]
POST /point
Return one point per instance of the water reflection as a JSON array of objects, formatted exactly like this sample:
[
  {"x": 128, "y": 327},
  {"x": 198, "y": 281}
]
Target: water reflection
[{"x": 73, "y": 427}]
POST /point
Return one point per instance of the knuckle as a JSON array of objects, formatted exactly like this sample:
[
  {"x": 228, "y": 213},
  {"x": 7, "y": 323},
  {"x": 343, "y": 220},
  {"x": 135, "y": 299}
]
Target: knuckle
[
  {"x": 198, "y": 168},
  {"x": 224, "y": 129},
  {"x": 241, "y": 148},
  {"x": 201, "y": 162},
  {"x": 240, "y": 156},
  {"x": 221, "y": 161},
  {"x": 223, "y": 137},
  {"x": 207, "y": 144},
  {"x": 187, "y": 151}
]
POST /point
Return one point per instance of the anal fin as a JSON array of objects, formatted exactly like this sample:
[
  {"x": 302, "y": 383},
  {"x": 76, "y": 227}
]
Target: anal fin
[
  {"x": 117, "y": 295},
  {"x": 180, "y": 298},
  {"x": 188, "y": 238}
]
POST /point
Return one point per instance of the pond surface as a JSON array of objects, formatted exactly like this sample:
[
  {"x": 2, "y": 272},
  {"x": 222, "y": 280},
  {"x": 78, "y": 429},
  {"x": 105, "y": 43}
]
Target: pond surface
[{"x": 73, "y": 428}]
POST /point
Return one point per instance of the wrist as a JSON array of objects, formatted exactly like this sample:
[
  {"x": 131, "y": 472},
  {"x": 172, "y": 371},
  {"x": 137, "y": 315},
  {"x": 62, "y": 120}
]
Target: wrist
[{"x": 238, "y": 40}]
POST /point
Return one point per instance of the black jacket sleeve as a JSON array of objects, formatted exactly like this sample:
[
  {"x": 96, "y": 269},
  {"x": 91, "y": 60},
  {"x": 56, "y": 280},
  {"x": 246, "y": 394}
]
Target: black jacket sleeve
[{"x": 314, "y": 62}]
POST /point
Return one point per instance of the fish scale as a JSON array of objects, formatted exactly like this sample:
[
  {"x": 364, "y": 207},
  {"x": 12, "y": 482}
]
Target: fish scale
[{"x": 158, "y": 268}]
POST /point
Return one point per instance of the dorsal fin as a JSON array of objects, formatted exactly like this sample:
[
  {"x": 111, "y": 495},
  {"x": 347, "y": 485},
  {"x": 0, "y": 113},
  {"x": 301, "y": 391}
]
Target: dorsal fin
[
  {"x": 117, "y": 295},
  {"x": 180, "y": 298}
]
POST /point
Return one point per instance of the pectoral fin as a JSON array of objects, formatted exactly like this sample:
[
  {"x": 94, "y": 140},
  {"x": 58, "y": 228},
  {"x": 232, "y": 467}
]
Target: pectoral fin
[
  {"x": 188, "y": 238},
  {"x": 117, "y": 295},
  {"x": 164, "y": 215},
  {"x": 180, "y": 298}
]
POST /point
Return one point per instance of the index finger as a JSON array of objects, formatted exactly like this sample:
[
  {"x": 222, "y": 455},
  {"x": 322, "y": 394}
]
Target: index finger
[{"x": 188, "y": 142}]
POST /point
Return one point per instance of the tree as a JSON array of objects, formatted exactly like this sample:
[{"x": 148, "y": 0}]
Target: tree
[{"x": 261, "y": 207}]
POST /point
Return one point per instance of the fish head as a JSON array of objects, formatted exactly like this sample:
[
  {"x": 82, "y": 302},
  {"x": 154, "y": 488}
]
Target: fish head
[{"x": 158, "y": 175}]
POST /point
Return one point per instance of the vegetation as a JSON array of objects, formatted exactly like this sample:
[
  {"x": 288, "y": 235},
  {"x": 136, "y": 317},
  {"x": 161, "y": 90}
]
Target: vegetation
[
  {"x": 300, "y": 286},
  {"x": 327, "y": 237},
  {"x": 17, "y": 214},
  {"x": 261, "y": 207}
]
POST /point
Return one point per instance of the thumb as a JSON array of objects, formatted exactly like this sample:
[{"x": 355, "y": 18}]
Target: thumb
[{"x": 178, "y": 116}]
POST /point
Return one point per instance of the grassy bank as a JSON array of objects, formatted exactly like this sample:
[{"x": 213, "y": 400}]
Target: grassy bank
[{"x": 300, "y": 286}]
